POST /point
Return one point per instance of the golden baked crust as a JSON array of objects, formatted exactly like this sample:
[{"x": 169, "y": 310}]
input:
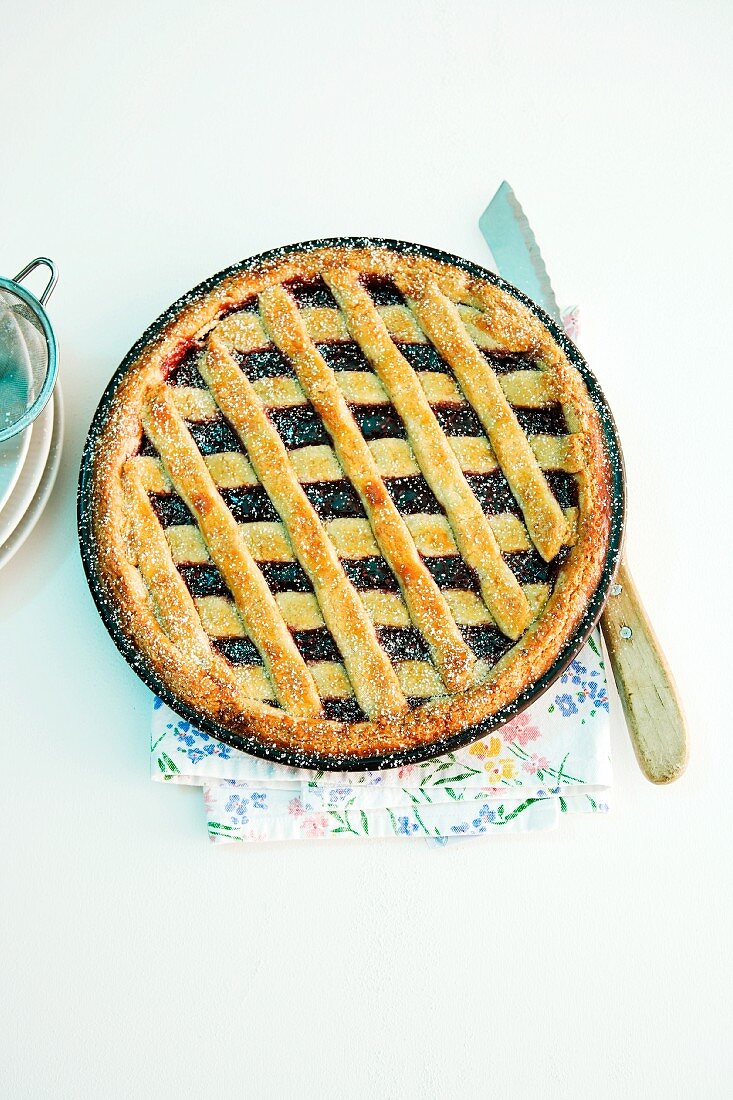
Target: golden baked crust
[{"x": 329, "y": 412}]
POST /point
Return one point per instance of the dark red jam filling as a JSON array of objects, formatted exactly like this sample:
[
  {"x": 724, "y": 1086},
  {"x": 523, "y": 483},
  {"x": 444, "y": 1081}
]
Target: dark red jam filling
[
  {"x": 238, "y": 651},
  {"x": 316, "y": 645},
  {"x": 382, "y": 290},
  {"x": 412, "y": 495},
  {"x": 507, "y": 361},
  {"x": 403, "y": 643},
  {"x": 285, "y": 576},
  {"x": 493, "y": 493},
  {"x": 311, "y": 293},
  {"x": 529, "y": 567},
  {"x": 344, "y": 355},
  {"x": 379, "y": 421},
  {"x": 334, "y": 499},
  {"x": 250, "y": 504},
  {"x": 487, "y": 642},
  {"x": 213, "y": 437},
  {"x": 460, "y": 420},
  {"x": 457, "y": 419},
  {"x": 186, "y": 371},
  {"x": 370, "y": 574},
  {"x": 301, "y": 426},
  {"x": 170, "y": 510},
  {"x": 147, "y": 450},
  {"x": 424, "y": 357},
  {"x": 204, "y": 580},
  {"x": 451, "y": 571},
  {"x": 264, "y": 363},
  {"x": 547, "y": 421},
  {"x": 343, "y": 710},
  {"x": 564, "y": 487},
  {"x": 251, "y": 305}
]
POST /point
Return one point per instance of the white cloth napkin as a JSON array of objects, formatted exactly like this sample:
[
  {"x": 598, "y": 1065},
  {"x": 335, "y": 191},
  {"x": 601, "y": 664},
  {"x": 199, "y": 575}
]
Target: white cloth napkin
[{"x": 552, "y": 759}]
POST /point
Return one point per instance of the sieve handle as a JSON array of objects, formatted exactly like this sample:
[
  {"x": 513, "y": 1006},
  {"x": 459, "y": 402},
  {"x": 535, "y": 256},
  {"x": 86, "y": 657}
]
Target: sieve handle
[{"x": 41, "y": 261}]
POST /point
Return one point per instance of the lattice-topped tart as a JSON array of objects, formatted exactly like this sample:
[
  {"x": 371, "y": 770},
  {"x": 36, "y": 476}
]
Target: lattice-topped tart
[{"x": 348, "y": 501}]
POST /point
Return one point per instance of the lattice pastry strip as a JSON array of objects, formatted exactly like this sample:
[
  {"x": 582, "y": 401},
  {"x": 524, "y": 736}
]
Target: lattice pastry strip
[
  {"x": 443, "y": 324},
  {"x": 352, "y": 537},
  {"x": 428, "y": 608},
  {"x": 529, "y": 389},
  {"x": 302, "y": 611},
  {"x": 244, "y": 331}
]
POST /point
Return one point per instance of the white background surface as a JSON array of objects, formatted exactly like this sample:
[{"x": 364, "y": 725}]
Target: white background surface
[{"x": 146, "y": 146}]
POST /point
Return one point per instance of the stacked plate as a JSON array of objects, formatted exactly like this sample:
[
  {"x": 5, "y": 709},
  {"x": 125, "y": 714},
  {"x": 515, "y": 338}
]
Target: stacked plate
[{"x": 29, "y": 463}]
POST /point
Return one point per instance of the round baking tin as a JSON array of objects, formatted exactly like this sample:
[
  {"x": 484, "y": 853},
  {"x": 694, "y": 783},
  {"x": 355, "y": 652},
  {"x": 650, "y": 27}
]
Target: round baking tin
[{"x": 293, "y": 757}]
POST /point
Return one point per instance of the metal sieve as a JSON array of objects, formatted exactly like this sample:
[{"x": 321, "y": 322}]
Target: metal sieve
[{"x": 28, "y": 356}]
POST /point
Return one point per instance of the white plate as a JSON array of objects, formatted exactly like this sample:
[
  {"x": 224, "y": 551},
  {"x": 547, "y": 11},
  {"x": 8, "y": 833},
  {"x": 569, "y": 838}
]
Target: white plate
[
  {"x": 12, "y": 456},
  {"x": 35, "y": 483}
]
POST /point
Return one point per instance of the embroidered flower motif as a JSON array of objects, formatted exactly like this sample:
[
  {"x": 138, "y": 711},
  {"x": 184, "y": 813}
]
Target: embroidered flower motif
[
  {"x": 259, "y": 800},
  {"x": 406, "y": 771},
  {"x": 486, "y": 816},
  {"x": 186, "y": 733},
  {"x": 574, "y": 673},
  {"x": 218, "y": 749},
  {"x": 339, "y": 794},
  {"x": 566, "y": 705},
  {"x": 490, "y": 746},
  {"x": 214, "y": 748},
  {"x": 588, "y": 689},
  {"x": 499, "y": 770},
  {"x": 237, "y": 806},
  {"x": 314, "y": 826},
  {"x": 295, "y": 807},
  {"x": 599, "y": 695},
  {"x": 571, "y": 322},
  {"x": 535, "y": 764},
  {"x": 405, "y": 827},
  {"x": 521, "y": 729}
]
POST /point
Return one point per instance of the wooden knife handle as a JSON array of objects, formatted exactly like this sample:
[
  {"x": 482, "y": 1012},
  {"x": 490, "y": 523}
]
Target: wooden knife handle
[{"x": 645, "y": 685}]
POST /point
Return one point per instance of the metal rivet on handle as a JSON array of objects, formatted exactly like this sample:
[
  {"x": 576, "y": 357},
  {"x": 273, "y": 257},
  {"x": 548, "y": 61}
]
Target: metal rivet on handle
[
  {"x": 625, "y": 631},
  {"x": 616, "y": 589}
]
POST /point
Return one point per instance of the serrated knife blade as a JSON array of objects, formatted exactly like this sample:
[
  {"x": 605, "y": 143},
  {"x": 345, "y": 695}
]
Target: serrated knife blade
[{"x": 509, "y": 235}]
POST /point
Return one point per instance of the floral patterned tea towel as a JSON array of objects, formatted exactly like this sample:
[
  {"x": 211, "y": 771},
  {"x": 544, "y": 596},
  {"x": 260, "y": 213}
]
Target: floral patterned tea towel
[{"x": 552, "y": 759}]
